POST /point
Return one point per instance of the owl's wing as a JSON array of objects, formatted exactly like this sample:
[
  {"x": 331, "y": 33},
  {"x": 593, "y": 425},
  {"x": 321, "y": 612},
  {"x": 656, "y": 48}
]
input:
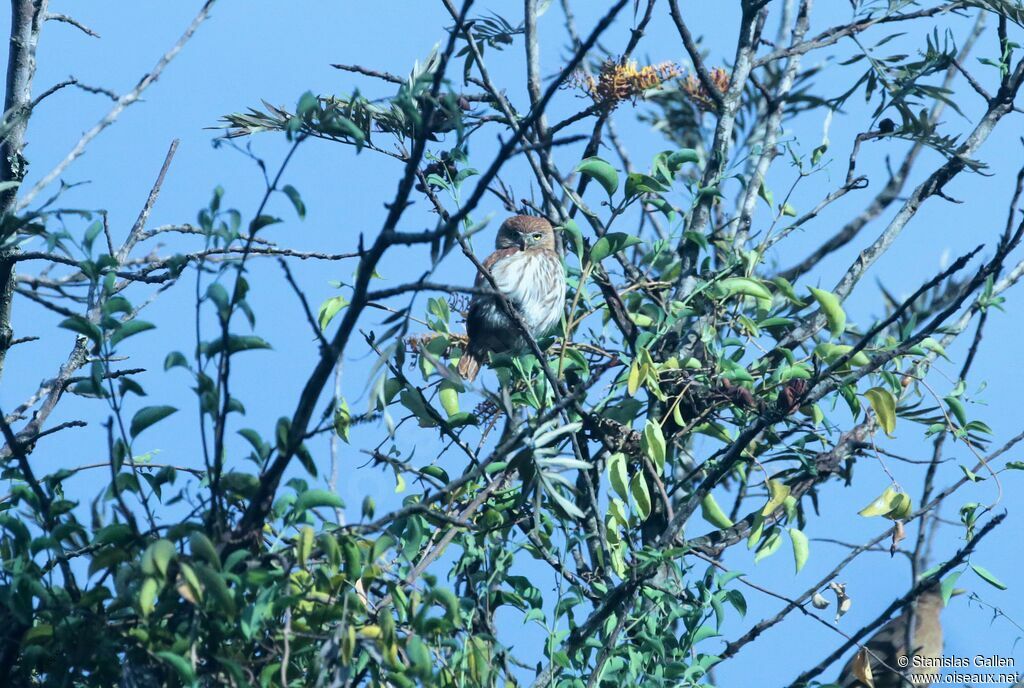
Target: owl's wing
[{"x": 490, "y": 262}]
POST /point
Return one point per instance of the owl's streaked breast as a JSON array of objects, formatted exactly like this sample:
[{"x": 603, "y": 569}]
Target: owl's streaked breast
[{"x": 534, "y": 281}]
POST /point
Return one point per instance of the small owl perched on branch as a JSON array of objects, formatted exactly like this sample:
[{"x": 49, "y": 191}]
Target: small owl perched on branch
[
  {"x": 890, "y": 644},
  {"x": 527, "y": 270}
]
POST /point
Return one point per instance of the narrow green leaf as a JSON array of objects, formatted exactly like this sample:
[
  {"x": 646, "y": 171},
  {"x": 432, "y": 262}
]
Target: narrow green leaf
[
  {"x": 313, "y": 498},
  {"x": 293, "y": 195},
  {"x": 180, "y": 665},
  {"x": 712, "y": 513},
  {"x": 987, "y": 576},
  {"x": 832, "y": 309},
  {"x": 800, "y": 547},
  {"x": 147, "y": 596},
  {"x": 948, "y": 585},
  {"x": 641, "y": 495}
]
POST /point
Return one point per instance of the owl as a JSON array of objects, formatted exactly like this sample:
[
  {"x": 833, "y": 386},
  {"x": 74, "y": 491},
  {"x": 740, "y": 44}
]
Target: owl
[
  {"x": 889, "y": 643},
  {"x": 528, "y": 271}
]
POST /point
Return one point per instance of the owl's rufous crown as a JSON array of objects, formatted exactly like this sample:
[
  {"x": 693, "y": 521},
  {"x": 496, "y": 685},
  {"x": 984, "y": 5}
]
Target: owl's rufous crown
[
  {"x": 528, "y": 223},
  {"x": 517, "y": 231}
]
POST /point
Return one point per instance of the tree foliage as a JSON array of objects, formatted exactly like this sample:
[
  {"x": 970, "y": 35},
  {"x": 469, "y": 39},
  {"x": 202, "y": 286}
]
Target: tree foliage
[{"x": 697, "y": 398}]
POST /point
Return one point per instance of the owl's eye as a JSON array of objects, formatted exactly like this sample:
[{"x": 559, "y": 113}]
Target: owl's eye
[{"x": 536, "y": 235}]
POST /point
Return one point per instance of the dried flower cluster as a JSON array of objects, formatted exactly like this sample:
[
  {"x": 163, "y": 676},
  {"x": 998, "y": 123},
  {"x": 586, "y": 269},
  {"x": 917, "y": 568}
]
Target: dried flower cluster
[
  {"x": 699, "y": 95},
  {"x": 617, "y": 81}
]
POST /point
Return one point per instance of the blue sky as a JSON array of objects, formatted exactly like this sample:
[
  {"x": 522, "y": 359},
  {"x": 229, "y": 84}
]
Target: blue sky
[{"x": 275, "y": 51}]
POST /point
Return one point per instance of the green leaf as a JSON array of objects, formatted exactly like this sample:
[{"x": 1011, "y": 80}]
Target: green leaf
[
  {"x": 948, "y": 585},
  {"x": 817, "y": 153},
  {"x": 304, "y": 546},
  {"x": 329, "y": 309},
  {"x": 128, "y": 329},
  {"x": 891, "y": 504},
  {"x": 175, "y": 359},
  {"x": 91, "y": 233},
  {"x": 202, "y": 548},
  {"x": 573, "y": 230},
  {"x": 641, "y": 495},
  {"x": 681, "y": 157},
  {"x": 306, "y": 459},
  {"x": 83, "y": 327},
  {"x": 884, "y": 405},
  {"x": 413, "y": 400},
  {"x": 712, "y": 513},
  {"x": 987, "y": 576},
  {"x": 957, "y": 408},
  {"x": 830, "y": 353},
  {"x": 618, "y": 475},
  {"x": 610, "y": 243},
  {"x": 216, "y": 589},
  {"x": 778, "y": 491},
  {"x": 770, "y": 545},
  {"x": 313, "y": 498},
  {"x": 800, "y": 547},
  {"x": 703, "y": 633},
  {"x": 180, "y": 665},
  {"x": 162, "y": 552},
  {"x": 147, "y": 596},
  {"x": 756, "y": 531},
  {"x": 307, "y": 103},
  {"x": 342, "y": 419},
  {"x": 448, "y": 393},
  {"x": 653, "y": 444},
  {"x": 534, "y": 615},
  {"x": 637, "y": 183},
  {"x": 970, "y": 475},
  {"x": 746, "y": 286},
  {"x": 148, "y": 416},
  {"x": 293, "y": 195},
  {"x": 930, "y": 344},
  {"x": 261, "y": 222},
  {"x": 602, "y": 172},
  {"x": 832, "y": 309},
  {"x": 236, "y": 343}
]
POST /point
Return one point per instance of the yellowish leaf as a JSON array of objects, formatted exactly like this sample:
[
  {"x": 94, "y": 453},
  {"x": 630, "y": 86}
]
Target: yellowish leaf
[
  {"x": 712, "y": 513},
  {"x": 862, "y": 668},
  {"x": 883, "y": 403},
  {"x": 778, "y": 491}
]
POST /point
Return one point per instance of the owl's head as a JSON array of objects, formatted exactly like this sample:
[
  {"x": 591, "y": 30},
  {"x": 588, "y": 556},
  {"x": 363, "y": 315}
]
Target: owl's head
[{"x": 525, "y": 231}]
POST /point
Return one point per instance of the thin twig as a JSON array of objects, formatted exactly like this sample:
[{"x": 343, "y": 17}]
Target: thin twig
[{"x": 123, "y": 103}]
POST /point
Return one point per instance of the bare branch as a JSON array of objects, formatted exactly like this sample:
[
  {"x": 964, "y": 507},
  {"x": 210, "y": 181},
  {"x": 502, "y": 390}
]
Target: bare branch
[
  {"x": 123, "y": 103},
  {"x": 140, "y": 223},
  {"x": 695, "y": 57},
  {"x": 65, "y": 19}
]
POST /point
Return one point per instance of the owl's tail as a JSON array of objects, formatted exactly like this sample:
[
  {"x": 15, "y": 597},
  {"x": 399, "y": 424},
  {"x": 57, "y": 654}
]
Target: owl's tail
[{"x": 469, "y": 364}]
